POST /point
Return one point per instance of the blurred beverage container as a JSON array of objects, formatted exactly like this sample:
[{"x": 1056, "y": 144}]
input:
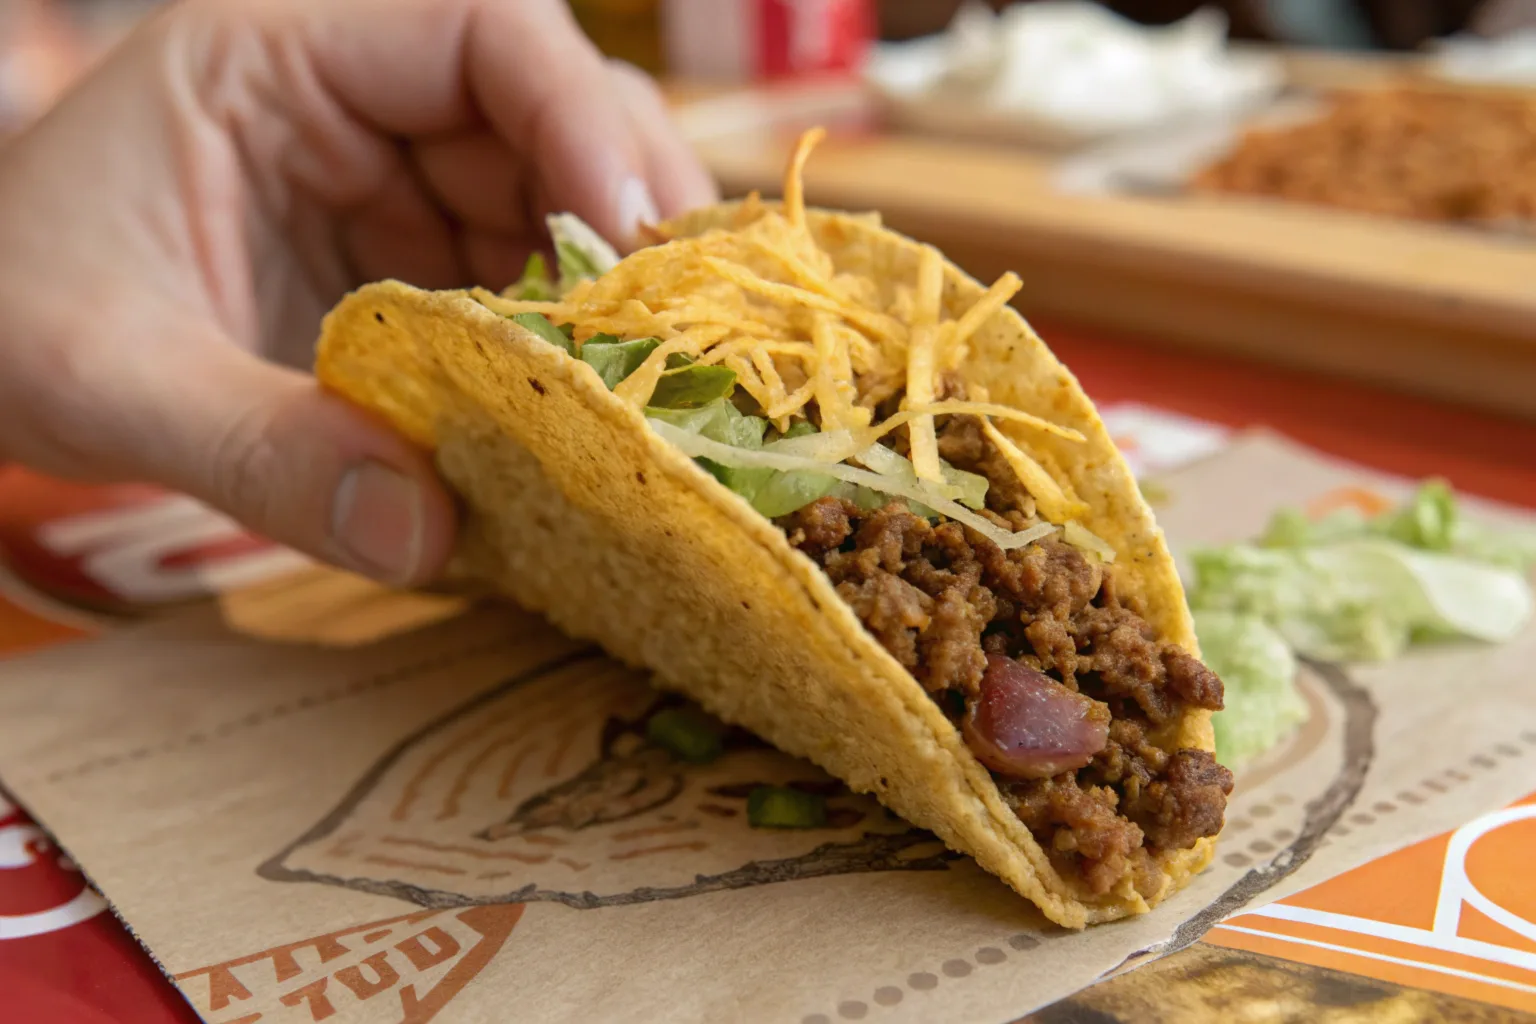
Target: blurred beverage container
[
  {"x": 765, "y": 40},
  {"x": 628, "y": 30},
  {"x": 40, "y": 54}
]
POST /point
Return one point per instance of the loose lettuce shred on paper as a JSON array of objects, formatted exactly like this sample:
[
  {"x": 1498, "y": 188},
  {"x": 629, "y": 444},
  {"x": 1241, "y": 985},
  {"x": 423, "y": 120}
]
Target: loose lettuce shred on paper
[{"x": 1348, "y": 587}]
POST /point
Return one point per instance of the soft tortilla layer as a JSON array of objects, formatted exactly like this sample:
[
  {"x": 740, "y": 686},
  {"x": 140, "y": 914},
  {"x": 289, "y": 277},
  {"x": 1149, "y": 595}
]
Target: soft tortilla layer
[{"x": 577, "y": 510}]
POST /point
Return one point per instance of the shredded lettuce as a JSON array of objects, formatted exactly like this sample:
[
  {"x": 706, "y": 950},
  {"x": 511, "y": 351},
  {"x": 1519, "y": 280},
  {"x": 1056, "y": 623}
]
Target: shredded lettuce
[
  {"x": 718, "y": 420},
  {"x": 1259, "y": 670},
  {"x": 691, "y": 386},
  {"x": 535, "y": 285},
  {"x": 580, "y": 253},
  {"x": 772, "y": 492},
  {"x": 1348, "y": 587},
  {"x": 969, "y": 489},
  {"x": 1428, "y": 521},
  {"x": 539, "y": 324},
  {"x": 614, "y": 359},
  {"x": 1352, "y": 587}
]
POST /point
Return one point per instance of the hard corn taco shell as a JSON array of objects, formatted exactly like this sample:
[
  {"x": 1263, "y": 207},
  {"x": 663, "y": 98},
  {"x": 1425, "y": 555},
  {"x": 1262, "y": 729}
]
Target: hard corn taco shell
[{"x": 576, "y": 509}]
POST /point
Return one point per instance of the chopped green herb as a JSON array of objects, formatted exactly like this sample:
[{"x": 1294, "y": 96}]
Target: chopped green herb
[
  {"x": 613, "y": 359},
  {"x": 539, "y": 324},
  {"x": 692, "y": 386},
  {"x": 686, "y": 733},
  {"x": 780, "y": 807},
  {"x": 678, "y": 360}
]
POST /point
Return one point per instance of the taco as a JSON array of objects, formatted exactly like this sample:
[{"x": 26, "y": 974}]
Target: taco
[{"x": 823, "y": 482}]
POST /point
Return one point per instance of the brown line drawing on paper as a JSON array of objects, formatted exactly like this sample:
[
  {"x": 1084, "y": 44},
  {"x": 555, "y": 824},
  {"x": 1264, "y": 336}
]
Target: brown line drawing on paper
[
  {"x": 557, "y": 759},
  {"x": 657, "y": 830},
  {"x": 424, "y": 959},
  {"x": 646, "y": 851},
  {"x": 470, "y": 851}
]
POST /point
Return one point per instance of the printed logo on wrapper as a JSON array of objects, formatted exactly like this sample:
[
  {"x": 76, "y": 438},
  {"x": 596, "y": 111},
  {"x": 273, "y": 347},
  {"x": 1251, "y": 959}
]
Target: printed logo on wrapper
[
  {"x": 41, "y": 890},
  {"x": 1455, "y": 913},
  {"x": 414, "y": 964}
]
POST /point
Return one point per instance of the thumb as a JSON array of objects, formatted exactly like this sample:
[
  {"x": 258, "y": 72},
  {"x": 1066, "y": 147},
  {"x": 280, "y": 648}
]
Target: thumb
[{"x": 268, "y": 446}]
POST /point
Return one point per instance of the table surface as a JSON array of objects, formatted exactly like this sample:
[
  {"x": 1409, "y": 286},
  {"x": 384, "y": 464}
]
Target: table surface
[{"x": 92, "y": 972}]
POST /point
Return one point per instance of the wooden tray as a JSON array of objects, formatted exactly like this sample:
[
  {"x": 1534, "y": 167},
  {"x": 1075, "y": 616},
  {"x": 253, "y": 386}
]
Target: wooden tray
[{"x": 1443, "y": 312}]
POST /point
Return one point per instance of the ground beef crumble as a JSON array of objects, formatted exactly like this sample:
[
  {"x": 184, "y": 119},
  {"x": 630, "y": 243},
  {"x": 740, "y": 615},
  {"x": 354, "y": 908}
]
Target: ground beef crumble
[{"x": 941, "y": 597}]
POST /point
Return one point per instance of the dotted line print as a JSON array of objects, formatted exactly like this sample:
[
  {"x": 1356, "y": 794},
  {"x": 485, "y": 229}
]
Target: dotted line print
[
  {"x": 1257, "y": 849},
  {"x": 925, "y": 981},
  {"x": 308, "y": 702},
  {"x": 1426, "y": 790}
]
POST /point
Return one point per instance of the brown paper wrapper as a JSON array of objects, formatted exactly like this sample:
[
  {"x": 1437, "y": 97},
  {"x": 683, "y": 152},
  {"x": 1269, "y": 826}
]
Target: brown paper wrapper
[{"x": 459, "y": 821}]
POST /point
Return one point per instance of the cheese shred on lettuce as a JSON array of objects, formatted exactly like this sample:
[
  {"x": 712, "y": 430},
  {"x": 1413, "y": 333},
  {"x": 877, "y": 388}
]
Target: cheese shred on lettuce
[{"x": 757, "y": 317}]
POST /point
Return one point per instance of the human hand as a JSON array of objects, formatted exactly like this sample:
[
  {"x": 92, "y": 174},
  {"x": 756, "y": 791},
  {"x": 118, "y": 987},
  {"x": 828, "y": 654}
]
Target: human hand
[{"x": 172, "y": 232}]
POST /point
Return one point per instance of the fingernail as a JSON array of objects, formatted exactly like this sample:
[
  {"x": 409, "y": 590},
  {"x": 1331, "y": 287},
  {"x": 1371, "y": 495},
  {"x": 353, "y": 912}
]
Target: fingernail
[
  {"x": 377, "y": 521},
  {"x": 636, "y": 207}
]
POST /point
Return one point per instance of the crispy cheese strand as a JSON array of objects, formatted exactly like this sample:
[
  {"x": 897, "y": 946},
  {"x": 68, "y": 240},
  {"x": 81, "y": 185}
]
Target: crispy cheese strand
[
  {"x": 1003, "y": 289},
  {"x": 794, "y": 176},
  {"x": 870, "y": 320},
  {"x": 921, "y": 371},
  {"x": 824, "y": 384},
  {"x": 636, "y": 389}
]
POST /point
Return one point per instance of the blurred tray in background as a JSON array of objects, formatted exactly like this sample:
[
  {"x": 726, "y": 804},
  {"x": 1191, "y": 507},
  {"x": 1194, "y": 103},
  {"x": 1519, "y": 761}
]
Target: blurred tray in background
[{"x": 1428, "y": 309}]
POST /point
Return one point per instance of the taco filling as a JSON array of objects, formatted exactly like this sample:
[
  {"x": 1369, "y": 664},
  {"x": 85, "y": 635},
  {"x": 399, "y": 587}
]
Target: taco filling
[{"x": 834, "y": 404}]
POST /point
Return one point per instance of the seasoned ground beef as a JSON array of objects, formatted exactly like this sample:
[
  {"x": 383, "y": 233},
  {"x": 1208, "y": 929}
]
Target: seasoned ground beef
[{"x": 940, "y": 598}]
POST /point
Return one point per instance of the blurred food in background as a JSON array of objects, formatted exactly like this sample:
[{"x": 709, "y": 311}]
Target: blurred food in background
[
  {"x": 1417, "y": 152},
  {"x": 1064, "y": 73},
  {"x": 1509, "y": 60}
]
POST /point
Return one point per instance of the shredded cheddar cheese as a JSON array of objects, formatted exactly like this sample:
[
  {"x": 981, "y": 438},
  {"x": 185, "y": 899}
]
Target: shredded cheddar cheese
[{"x": 764, "y": 299}]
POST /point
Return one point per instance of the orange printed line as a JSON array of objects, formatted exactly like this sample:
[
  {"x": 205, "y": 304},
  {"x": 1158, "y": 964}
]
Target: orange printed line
[
  {"x": 530, "y": 724},
  {"x": 574, "y": 865},
  {"x": 563, "y": 742},
  {"x": 393, "y": 862},
  {"x": 1364, "y": 499},
  {"x": 412, "y": 788},
  {"x": 647, "y": 851},
  {"x": 655, "y": 830},
  {"x": 470, "y": 851},
  {"x": 509, "y": 774}
]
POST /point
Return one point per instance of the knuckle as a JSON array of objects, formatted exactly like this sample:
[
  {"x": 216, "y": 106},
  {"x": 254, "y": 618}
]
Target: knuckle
[{"x": 244, "y": 469}]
